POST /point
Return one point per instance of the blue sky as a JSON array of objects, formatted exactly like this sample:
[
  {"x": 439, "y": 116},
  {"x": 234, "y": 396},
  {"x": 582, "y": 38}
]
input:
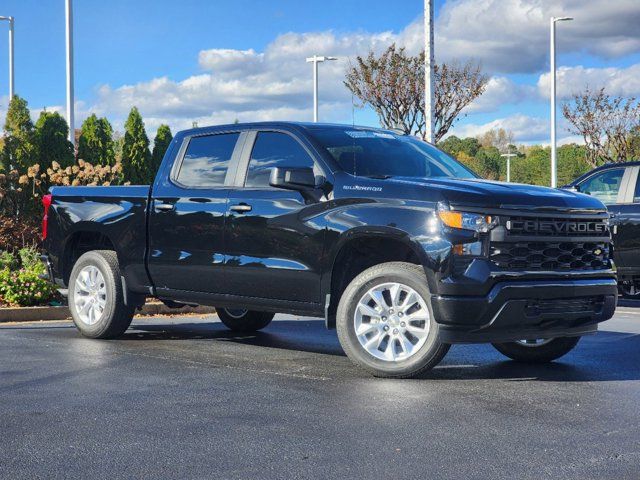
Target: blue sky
[{"x": 212, "y": 61}]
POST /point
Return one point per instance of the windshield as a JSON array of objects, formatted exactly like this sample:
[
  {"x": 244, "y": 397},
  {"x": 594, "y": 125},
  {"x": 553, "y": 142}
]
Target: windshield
[{"x": 379, "y": 153}]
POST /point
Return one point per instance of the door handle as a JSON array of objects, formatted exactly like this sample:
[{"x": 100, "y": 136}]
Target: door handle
[
  {"x": 240, "y": 208},
  {"x": 164, "y": 207}
]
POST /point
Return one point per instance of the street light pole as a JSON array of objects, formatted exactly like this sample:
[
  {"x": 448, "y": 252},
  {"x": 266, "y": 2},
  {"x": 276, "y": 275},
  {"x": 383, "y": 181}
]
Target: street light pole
[
  {"x": 69, "y": 42},
  {"x": 315, "y": 60},
  {"x": 554, "y": 166},
  {"x": 11, "y": 71},
  {"x": 508, "y": 157},
  {"x": 429, "y": 89}
]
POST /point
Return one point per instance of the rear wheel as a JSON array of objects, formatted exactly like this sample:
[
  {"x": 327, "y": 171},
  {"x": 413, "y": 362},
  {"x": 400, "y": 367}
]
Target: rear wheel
[
  {"x": 537, "y": 351},
  {"x": 385, "y": 324},
  {"x": 243, "y": 320},
  {"x": 96, "y": 298}
]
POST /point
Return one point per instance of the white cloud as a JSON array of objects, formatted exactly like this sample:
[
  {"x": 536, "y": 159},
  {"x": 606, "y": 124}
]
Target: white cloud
[
  {"x": 276, "y": 83},
  {"x": 500, "y": 91},
  {"x": 570, "y": 80},
  {"x": 513, "y": 35},
  {"x": 524, "y": 127}
]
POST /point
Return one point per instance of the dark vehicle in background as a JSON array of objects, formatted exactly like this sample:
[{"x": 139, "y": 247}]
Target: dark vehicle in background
[
  {"x": 617, "y": 186},
  {"x": 397, "y": 245}
]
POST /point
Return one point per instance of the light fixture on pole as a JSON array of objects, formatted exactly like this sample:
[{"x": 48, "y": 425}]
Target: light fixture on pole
[
  {"x": 429, "y": 59},
  {"x": 315, "y": 60},
  {"x": 69, "y": 42},
  {"x": 554, "y": 166},
  {"x": 11, "y": 74},
  {"x": 508, "y": 157}
]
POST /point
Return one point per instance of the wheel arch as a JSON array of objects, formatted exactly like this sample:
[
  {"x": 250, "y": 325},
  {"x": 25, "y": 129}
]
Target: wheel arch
[
  {"x": 86, "y": 237},
  {"x": 361, "y": 248}
]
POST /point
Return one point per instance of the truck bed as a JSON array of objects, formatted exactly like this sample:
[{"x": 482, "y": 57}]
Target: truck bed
[{"x": 118, "y": 211}]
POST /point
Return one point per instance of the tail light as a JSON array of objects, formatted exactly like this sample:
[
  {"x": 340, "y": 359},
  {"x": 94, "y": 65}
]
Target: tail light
[{"x": 46, "y": 203}]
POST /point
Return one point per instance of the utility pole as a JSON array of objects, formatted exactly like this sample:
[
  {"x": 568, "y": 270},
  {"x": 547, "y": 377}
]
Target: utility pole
[
  {"x": 11, "y": 70},
  {"x": 315, "y": 60},
  {"x": 69, "y": 38},
  {"x": 554, "y": 163},
  {"x": 429, "y": 88}
]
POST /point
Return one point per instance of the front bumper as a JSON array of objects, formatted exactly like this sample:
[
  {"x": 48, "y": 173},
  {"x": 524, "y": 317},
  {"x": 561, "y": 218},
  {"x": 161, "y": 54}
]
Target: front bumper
[{"x": 526, "y": 309}]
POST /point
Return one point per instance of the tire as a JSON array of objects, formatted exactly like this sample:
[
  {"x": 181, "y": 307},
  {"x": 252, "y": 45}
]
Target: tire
[
  {"x": 241, "y": 320},
  {"x": 385, "y": 329},
  {"x": 545, "y": 352},
  {"x": 115, "y": 317},
  {"x": 628, "y": 292}
]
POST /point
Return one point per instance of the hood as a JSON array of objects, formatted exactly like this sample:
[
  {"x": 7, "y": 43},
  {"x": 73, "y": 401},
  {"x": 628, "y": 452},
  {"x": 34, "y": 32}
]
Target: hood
[{"x": 493, "y": 194}]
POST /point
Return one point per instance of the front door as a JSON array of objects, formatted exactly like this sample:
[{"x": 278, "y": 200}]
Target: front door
[
  {"x": 187, "y": 218},
  {"x": 273, "y": 247}
]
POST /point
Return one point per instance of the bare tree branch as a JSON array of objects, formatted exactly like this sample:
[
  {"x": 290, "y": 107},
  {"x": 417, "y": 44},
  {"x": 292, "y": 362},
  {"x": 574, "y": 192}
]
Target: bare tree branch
[{"x": 392, "y": 84}]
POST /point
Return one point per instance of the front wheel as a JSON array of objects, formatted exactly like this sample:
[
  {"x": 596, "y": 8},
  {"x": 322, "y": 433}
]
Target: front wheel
[
  {"x": 537, "y": 351},
  {"x": 385, "y": 324},
  {"x": 242, "y": 320}
]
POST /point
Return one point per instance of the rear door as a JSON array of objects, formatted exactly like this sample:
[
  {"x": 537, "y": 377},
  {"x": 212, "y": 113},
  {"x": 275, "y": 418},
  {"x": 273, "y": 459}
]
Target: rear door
[
  {"x": 187, "y": 217},
  {"x": 274, "y": 249}
]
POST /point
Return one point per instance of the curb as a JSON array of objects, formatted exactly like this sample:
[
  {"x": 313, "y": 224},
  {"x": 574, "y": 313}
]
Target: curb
[{"x": 34, "y": 314}]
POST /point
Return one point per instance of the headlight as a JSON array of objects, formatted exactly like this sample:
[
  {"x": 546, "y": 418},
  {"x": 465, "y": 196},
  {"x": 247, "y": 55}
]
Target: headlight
[{"x": 465, "y": 220}]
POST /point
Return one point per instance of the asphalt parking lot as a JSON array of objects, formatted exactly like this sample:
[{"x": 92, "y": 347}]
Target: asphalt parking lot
[{"x": 185, "y": 398}]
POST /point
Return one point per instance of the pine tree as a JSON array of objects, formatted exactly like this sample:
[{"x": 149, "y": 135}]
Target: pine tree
[
  {"x": 95, "y": 144},
  {"x": 136, "y": 159},
  {"x": 160, "y": 145},
  {"x": 52, "y": 142},
  {"x": 20, "y": 150}
]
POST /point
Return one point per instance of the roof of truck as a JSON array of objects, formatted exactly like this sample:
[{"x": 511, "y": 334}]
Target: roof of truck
[{"x": 276, "y": 124}]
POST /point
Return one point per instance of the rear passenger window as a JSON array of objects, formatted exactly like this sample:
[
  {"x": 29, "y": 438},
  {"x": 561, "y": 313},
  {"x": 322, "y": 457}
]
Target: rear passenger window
[
  {"x": 206, "y": 160},
  {"x": 273, "y": 149}
]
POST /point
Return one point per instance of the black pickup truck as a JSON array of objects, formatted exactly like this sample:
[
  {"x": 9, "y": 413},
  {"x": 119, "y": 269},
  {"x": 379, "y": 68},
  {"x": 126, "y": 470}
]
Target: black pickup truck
[
  {"x": 617, "y": 185},
  {"x": 393, "y": 242}
]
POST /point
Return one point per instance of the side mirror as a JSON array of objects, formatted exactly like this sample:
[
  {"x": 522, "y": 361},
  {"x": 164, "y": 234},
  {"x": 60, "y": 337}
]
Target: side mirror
[
  {"x": 572, "y": 188},
  {"x": 292, "y": 178}
]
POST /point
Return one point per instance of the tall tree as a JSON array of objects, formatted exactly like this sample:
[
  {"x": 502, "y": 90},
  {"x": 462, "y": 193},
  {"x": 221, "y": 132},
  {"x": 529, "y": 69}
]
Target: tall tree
[
  {"x": 160, "y": 145},
  {"x": 20, "y": 150},
  {"x": 51, "y": 138},
  {"x": 95, "y": 144},
  {"x": 497, "y": 137},
  {"x": 605, "y": 123},
  {"x": 136, "y": 159},
  {"x": 393, "y": 85}
]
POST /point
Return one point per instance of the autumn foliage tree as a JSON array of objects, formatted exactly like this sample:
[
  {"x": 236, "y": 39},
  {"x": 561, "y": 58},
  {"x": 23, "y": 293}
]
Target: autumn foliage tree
[
  {"x": 392, "y": 84},
  {"x": 606, "y": 123}
]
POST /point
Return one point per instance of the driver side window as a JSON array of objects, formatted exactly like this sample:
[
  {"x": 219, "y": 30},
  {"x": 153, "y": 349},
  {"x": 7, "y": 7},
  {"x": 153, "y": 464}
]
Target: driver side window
[
  {"x": 604, "y": 186},
  {"x": 274, "y": 149}
]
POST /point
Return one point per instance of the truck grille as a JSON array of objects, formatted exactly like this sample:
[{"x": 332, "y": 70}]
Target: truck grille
[{"x": 540, "y": 256}]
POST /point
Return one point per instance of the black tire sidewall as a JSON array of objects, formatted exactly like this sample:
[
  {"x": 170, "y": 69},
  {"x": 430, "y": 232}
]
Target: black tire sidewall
[
  {"x": 545, "y": 353},
  {"x": 251, "y": 321},
  {"x": 429, "y": 354}
]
